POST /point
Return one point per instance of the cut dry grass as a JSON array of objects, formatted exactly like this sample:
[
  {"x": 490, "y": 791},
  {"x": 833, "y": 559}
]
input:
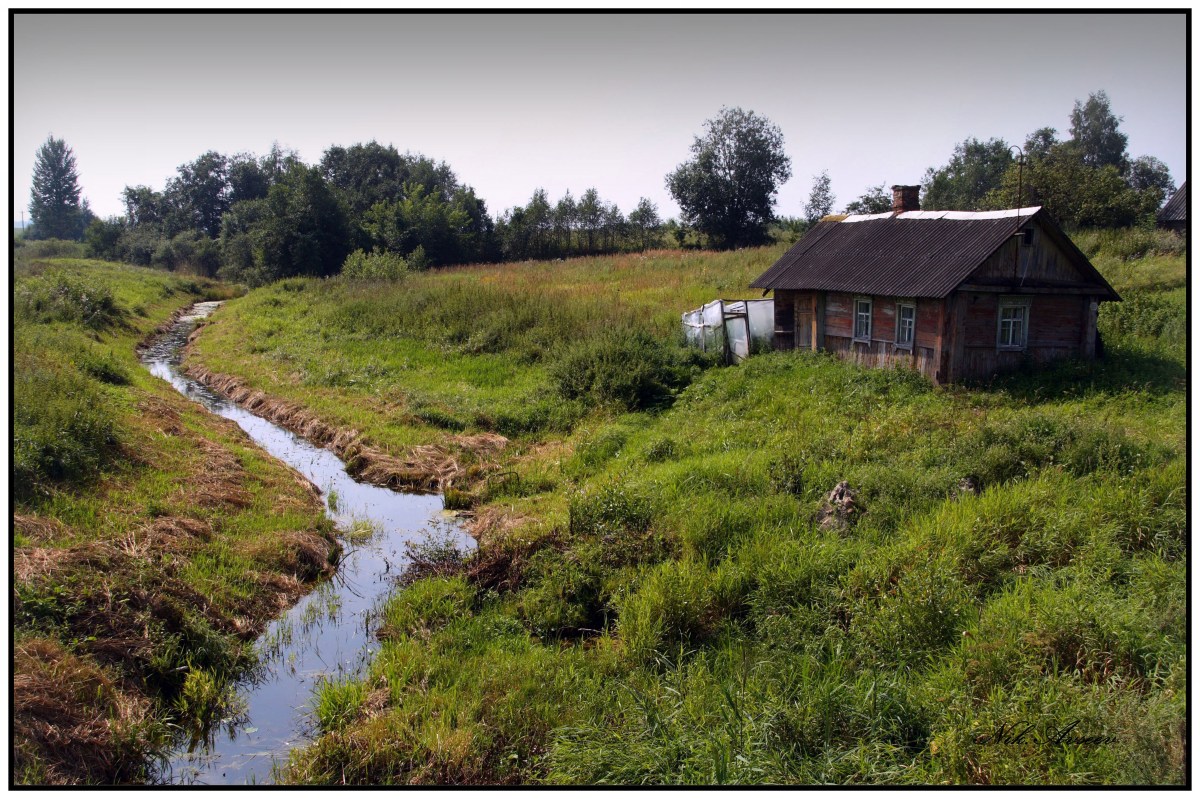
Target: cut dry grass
[{"x": 73, "y": 723}]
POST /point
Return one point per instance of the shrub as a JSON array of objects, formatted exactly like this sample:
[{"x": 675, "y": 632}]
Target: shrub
[
  {"x": 138, "y": 245},
  {"x": 103, "y": 238},
  {"x": 417, "y": 260},
  {"x": 52, "y": 248},
  {"x": 190, "y": 251},
  {"x": 629, "y": 369},
  {"x": 376, "y": 265},
  {"x": 1128, "y": 244},
  {"x": 1145, "y": 314},
  {"x": 58, "y": 297}
]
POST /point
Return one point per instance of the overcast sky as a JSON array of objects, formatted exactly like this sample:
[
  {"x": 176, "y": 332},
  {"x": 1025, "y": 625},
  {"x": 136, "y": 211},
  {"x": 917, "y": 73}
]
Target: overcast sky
[{"x": 514, "y": 102}]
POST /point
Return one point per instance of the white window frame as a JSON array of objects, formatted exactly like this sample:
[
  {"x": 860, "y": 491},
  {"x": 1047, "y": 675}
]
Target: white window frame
[
  {"x": 854, "y": 319},
  {"x": 906, "y": 345},
  {"x": 1008, "y": 303}
]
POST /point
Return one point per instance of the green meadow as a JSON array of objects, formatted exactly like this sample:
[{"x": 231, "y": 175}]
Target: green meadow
[{"x": 659, "y": 596}]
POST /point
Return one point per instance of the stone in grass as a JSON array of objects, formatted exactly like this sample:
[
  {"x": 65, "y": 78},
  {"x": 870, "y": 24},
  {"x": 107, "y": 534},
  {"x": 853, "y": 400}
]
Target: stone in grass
[
  {"x": 840, "y": 509},
  {"x": 967, "y": 486}
]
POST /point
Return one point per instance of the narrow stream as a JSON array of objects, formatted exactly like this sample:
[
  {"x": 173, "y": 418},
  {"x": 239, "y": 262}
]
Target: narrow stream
[{"x": 330, "y": 632}]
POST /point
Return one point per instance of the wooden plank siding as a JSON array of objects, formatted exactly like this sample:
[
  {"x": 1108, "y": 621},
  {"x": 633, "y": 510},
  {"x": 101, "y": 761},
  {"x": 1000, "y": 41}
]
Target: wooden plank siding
[
  {"x": 785, "y": 319},
  {"x": 955, "y": 339},
  {"x": 1040, "y": 263},
  {"x": 1058, "y": 328},
  {"x": 957, "y": 331},
  {"x": 882, "y": 351}
]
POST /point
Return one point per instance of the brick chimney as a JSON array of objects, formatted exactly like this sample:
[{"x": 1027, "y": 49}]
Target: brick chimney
[{"x": 906, "y": 198}]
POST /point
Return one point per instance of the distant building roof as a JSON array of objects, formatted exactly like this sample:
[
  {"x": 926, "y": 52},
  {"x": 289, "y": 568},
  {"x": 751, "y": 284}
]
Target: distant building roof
[
  {"x": 910, "y": 254},
  {"x": 1176, "y": 208}
]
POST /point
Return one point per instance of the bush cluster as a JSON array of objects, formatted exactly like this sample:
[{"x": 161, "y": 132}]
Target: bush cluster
[
  {"x": 1129, "y": 244},
  {"x": 59, "y": 297},
  {"x": 49, "y": 248},
  {"x": 627, "y": 368},
  {"x": 382, "y": 265},
  {"x": 1145, "y": 314}
]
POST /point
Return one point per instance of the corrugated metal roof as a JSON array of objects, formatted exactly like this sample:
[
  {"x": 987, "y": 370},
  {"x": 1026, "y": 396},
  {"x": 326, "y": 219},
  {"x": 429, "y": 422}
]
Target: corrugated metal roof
[
  {"x": 1176, "y": 208},
  {"x": 914, "y": 254}
]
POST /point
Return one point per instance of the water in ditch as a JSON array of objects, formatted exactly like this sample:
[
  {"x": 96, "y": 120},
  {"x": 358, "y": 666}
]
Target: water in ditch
[{"x": 329, "y": 634}]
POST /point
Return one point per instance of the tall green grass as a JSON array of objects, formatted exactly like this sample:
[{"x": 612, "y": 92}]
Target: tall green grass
[{"x": 666, "y": 606}]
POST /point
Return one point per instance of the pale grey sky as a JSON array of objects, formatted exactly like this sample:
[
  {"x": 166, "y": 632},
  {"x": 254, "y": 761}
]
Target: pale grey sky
[{"x": 517, "y": 101}]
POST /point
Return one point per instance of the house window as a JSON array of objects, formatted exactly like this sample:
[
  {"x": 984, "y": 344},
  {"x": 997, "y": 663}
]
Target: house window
[
  {"x": 906, "y": 324},
  {"x": 1013, "y": 331},
  {"x": 862, "y": 319}
]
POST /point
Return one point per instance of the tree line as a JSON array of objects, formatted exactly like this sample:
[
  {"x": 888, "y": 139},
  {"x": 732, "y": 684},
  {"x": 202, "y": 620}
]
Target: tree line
[
  {"x": 1086, "y": 180},
  {"x": 569, "y": 227},
  {"x": 256, "y": 219}
]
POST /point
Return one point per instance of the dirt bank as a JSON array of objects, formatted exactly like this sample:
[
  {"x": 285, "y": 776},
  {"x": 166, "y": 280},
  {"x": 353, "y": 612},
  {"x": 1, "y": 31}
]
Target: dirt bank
[{"x": 463, "y": 459}]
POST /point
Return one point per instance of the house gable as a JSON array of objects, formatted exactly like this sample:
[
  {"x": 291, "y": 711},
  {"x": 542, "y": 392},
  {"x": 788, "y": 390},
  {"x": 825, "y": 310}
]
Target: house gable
[{"x": 1039, "y": 257}]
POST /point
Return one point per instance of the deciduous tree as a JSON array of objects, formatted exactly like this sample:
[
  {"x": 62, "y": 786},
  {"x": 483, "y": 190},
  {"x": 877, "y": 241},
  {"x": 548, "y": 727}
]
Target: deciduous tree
[
  {"x": 143, "y": 206},
  {"x": 874, "y": 201},
  {"x": 1075, "y": 194},
  {"x": 646, "y": 223},
  {"x": 1148, "y": 174},
  {"x": 1094, "y": 132},
  {"x": 566, "y": 216},
  {"x": 975, "y": 168},
  {"x": 727, "y": 190},
  {"x": 820, "y": 199},
  {"x": 304, "y": 230},
  {"x": 200, "y": 195},
  {"x": 1038, "y": 143},
  {"x": 590, "y": 212}
]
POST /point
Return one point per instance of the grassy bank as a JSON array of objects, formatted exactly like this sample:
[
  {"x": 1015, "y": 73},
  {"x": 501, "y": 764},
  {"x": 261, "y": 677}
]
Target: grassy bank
[
  {"x": 152, "y": 541},
  {"x": 662, "y": 594}
]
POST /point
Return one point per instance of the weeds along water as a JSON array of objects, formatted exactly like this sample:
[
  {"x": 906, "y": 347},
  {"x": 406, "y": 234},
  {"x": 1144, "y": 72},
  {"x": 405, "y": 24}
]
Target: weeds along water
[{"x": 328, "y": 637}]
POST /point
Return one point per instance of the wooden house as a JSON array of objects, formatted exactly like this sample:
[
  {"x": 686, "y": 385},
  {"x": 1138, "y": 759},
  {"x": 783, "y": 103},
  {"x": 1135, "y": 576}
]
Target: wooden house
[
  {"x": 954, "y": 294},
  {"x": 1174, "y": 215}
]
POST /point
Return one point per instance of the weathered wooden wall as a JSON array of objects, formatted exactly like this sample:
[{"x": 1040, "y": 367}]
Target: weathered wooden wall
[
  {"x": 785, "y": 319},
  {"x": 956, "y": 338},
  {"x": 1041, "y": 263},
  {"x": 882, "y": 351},
  {"x": 1060, "y": 326}
]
